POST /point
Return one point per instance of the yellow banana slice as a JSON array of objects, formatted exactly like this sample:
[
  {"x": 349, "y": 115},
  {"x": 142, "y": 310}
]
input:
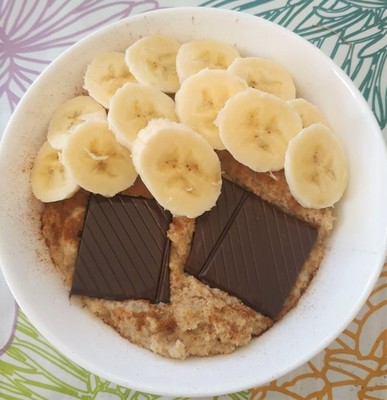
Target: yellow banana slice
[
  {"x": 50, "y": 179},
  {"x": 178, "y": 166},
  {"x": 316, "y": 167},
  {"x": 256, "y": 127},
  {"x": 97, "y": 161},
  {"x": 152, "y": 61},
  {"x": 200, "y": 98},
  {"x": 198, "y": 54},
  {"x": 133, "y": 106},
  {"x": 69, "y": 115},
  {"x": 308, "y": 112},
  {"x": 266, "y": 75},
  {"x": 106, "y": 73}
]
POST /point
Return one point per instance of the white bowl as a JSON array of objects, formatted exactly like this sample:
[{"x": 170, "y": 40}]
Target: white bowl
[{"x": 346, "y": 276}]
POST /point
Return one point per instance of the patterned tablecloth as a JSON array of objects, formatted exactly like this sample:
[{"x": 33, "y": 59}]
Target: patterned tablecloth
[{"x": 352, "y": 33}]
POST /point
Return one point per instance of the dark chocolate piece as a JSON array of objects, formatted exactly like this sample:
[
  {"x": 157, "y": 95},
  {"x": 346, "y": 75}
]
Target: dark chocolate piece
[
  {"x": 250, "y": 249},
  {"x": 124, "y": 250}
]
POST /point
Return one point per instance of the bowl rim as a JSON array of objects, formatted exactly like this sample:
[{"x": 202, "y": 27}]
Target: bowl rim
[{"x": 234, "y": 386}]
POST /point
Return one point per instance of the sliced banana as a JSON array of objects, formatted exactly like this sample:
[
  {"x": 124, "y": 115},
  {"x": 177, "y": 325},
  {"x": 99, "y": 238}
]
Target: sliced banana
[
  {"x": 106, "y": 73},
  {"x": 50, "y": 179},
  {"x": 316, "y": 167},
  {"x": 152, "y": 61},
  {"x": 178, "y": 166},
  {"x": 266, "y": 75},
  {"x": 133, "y": 106},
  {"x": 198, "y": 54},
  {"x": 200, "y": 98},
  {"x": 308, "y": 112},
  {"x": 97, "y": 161},
  {"x": 71, "y": 114},
  {"x": 256, "y": 127}
]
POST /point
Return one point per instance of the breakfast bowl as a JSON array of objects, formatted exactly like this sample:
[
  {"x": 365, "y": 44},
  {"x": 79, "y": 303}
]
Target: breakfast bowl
[{"x": 355, "y": 252}]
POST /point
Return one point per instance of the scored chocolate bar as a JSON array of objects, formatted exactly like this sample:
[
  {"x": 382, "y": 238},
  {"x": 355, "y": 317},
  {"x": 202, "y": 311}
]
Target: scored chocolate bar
[
  {"x": 244, "y": 246},
  {"x": 124, "y": 250},
  {"x": 250, "y": 249}
]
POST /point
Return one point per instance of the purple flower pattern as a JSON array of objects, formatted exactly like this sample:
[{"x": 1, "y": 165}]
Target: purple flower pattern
[{"x": 33, "y": 33}]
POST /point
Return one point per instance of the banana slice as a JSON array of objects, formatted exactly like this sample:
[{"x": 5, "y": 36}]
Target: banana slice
[
  {"x": 200, "y": 98},
  {"x": 308, "y": 112},
  {"x": 178, "y": 166},
  {"x": 256, "y": 127},
  {"x": 106, "y": 73},
  {"x": 50, "y": 179},
  {"x": 133, "y": 106},
  {"x": 97, "y": 161},
  {"x": 71, "y": 114},
  {"x": 152, "y": 61},
  {"x": 316, "y": 167},
  {"x": 198, "y": 54},
  {"x": 266, "y": 75}
]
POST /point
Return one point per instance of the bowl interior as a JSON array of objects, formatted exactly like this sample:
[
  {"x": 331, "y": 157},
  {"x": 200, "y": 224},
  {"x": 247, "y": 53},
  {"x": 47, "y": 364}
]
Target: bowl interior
[{"x": 352, "y": 264}]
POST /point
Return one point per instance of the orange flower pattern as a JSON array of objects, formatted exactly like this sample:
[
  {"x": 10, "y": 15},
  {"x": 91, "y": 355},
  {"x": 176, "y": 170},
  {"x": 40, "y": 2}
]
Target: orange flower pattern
[{"x": 353, "y": 367}]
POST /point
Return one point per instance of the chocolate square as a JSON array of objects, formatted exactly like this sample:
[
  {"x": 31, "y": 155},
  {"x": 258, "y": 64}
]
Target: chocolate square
[
  {"x": 250, "y": 249},
  {"x": 124, "y": 250}
]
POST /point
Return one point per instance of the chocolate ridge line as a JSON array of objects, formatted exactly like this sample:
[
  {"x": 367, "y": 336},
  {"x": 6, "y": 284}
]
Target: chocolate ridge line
[
  {"x": 226, "y": 228},
  {"x": 162, "y": 291}
]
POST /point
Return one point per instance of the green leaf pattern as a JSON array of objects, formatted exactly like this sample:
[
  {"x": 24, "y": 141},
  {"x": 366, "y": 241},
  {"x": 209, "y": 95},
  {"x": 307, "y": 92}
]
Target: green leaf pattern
[
  {"x": 352, "y": 33},
  {"x": 33, "y": 369}
]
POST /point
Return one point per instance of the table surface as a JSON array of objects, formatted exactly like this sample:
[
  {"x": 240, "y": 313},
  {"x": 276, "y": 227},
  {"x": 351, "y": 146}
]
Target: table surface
[{"x": 352, "y": 33}]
